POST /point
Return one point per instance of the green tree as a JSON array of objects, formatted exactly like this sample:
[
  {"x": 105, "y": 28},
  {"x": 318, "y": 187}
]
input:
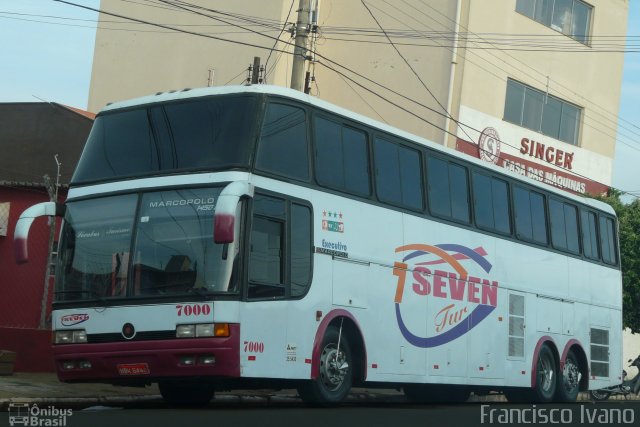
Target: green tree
[{"x": 629, "y": 219}]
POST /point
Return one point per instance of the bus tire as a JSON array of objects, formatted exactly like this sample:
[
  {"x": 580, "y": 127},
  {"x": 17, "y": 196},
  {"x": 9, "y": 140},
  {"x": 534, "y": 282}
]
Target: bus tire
[
  {"x": 568, "y": 385},
  {"x": 336, "y": 371},
  {"x": 546, "y": 376},
  {"x": 186, "y": 393}
]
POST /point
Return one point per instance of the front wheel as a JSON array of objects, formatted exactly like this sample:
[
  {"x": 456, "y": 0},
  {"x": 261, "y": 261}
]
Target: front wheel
[
  {"x": 599, "y": 395},
  {"x": 336, "y": 371}
]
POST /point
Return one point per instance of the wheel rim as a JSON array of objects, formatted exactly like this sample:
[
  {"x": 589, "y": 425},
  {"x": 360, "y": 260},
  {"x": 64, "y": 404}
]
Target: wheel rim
[
  {"x": 545, "y": 373},
  {"x": 571, "y": 376},
  {"x": 334, "y": 367}
]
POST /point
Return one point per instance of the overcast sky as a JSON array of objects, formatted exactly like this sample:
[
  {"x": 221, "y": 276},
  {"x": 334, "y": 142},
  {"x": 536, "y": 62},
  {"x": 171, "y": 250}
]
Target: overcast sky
[{"x": 52, "y": 62}]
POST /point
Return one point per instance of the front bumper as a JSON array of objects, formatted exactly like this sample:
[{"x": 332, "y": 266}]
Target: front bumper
[{"x": 162, "y": 357}]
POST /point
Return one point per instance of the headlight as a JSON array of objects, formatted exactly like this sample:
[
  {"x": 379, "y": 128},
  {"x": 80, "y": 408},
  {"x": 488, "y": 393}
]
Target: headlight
[
  {"x": 76, "y": 336},
  {"x": 202, "y": 330},
  {"x": 186, "y": 331},
  {"x": 79, "y": 336}
]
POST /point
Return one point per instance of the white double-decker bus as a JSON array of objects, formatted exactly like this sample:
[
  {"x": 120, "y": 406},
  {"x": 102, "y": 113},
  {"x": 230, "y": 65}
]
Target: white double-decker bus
[{"x": 242, "y": 237}]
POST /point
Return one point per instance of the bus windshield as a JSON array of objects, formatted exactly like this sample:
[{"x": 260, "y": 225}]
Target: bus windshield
[
  {"x": 198, "y": 134},
  {"x": 167, "y": 248}
]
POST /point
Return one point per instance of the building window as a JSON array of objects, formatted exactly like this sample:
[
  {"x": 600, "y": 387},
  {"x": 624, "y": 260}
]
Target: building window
[
  {"x": 541, "y": 112},
  {"x": 570, "y": 17}
]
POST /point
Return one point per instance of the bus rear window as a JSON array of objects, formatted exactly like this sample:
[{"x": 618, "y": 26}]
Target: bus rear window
[{"x": 201, "y": 134}]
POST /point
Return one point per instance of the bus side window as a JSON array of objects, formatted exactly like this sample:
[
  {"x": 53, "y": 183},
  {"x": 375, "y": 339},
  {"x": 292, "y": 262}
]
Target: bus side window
[
  {"x": 589, "y": 235},
  {"x": 530, "y": 217},
  {"x": 341, "y": 157},
  {"x": 266, "y": 275},
  {"x": 280, "y": 249},
  {"x": 491, "y": 203},
  {"x": 283, "y": 147},
  {"x": 564, "y": 226},
  {"x": 398, "y": 174},
  {"x": 607, "y": 240},
  {"x": 301, "y": 249},
  {"x": 448, "y": 189}
]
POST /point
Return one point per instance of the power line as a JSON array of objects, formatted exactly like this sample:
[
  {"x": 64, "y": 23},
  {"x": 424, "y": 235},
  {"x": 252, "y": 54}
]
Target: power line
[
  {"x": 253, "y": 20},
  {"x": 164, "y": 26},
  {"x": 284, "y": 26},
  {"x": 454, "y": 135},
  {"x": 435, "y": 98},
  {"x": 331, "y": 68},
  {"x": 617, "y": 117},
  {"x": 501, "y": 69}
]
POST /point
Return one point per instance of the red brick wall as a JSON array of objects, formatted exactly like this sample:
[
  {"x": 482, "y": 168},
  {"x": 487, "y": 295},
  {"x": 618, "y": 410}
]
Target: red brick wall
[
  {"x": 22, "y": 286},
  {"x": 32, "y": 347}
]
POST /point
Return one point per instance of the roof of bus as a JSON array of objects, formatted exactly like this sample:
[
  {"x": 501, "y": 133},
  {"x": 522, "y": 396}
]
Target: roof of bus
[{"x": 300, "y": 96}]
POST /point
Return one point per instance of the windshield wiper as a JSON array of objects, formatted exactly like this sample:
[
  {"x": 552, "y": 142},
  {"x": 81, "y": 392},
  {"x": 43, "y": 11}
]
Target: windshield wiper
[
  {"x": 202, "y": 292},
  {"x": 97, "y": 296}
]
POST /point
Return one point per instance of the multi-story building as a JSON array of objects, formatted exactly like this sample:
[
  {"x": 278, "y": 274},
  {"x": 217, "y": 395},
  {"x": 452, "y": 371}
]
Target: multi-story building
[{"x": 528, "y": 84}]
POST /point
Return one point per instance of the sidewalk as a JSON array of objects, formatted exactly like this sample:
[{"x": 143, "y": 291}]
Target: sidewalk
[{"x": 44, "y": 388}]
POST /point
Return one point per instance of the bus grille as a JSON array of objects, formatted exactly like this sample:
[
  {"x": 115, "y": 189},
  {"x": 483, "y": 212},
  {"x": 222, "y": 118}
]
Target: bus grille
[{"x": 140, "y": 336}]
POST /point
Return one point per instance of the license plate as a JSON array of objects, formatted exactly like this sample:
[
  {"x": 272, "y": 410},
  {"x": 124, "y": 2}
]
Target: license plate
[{"x": 133, "y": 369}]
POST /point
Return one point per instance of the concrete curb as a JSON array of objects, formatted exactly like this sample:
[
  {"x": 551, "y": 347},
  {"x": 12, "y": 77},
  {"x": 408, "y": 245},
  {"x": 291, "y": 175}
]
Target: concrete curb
[{"x": 80, "y": 401}]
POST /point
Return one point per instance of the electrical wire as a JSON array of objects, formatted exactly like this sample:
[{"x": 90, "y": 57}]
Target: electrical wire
[
  {"x": 332, "y": 68},
  {"x": 435, "y": 98},
  {"x": 493, "y": 64},
  {"x": 284, "y": 27},
  {"x": 618, "y": 118}
]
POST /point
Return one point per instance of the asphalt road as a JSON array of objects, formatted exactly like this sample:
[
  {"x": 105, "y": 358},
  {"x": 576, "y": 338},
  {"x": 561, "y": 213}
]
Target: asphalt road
[{"x": 367, "y": 413}]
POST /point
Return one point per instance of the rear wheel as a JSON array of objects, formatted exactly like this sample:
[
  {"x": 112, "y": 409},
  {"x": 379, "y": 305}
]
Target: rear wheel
[
  {"x": 568, "y": 385},
  {"x": 186, "y": 393},
  {"x": 546, "y": 381},
  {"x": 336, "y": 371},
  {"x": 546, "y": 376}
]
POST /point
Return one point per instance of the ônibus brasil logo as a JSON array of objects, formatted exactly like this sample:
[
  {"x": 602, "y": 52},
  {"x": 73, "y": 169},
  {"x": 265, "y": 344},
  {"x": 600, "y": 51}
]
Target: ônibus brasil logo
[{"x": 471, "y": 298}]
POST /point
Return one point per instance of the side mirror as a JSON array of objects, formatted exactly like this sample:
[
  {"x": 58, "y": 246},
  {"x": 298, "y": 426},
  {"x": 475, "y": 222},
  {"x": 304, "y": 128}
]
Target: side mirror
[
  {"x": 225, "y": 215},
  {"x": 21, "y": 233}
]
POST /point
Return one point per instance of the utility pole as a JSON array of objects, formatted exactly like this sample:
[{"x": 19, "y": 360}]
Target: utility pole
[
  {"x": 52, "y": 189},
  {"x": 300, "y": 50},
  {"x": 255, "y": 72}
]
